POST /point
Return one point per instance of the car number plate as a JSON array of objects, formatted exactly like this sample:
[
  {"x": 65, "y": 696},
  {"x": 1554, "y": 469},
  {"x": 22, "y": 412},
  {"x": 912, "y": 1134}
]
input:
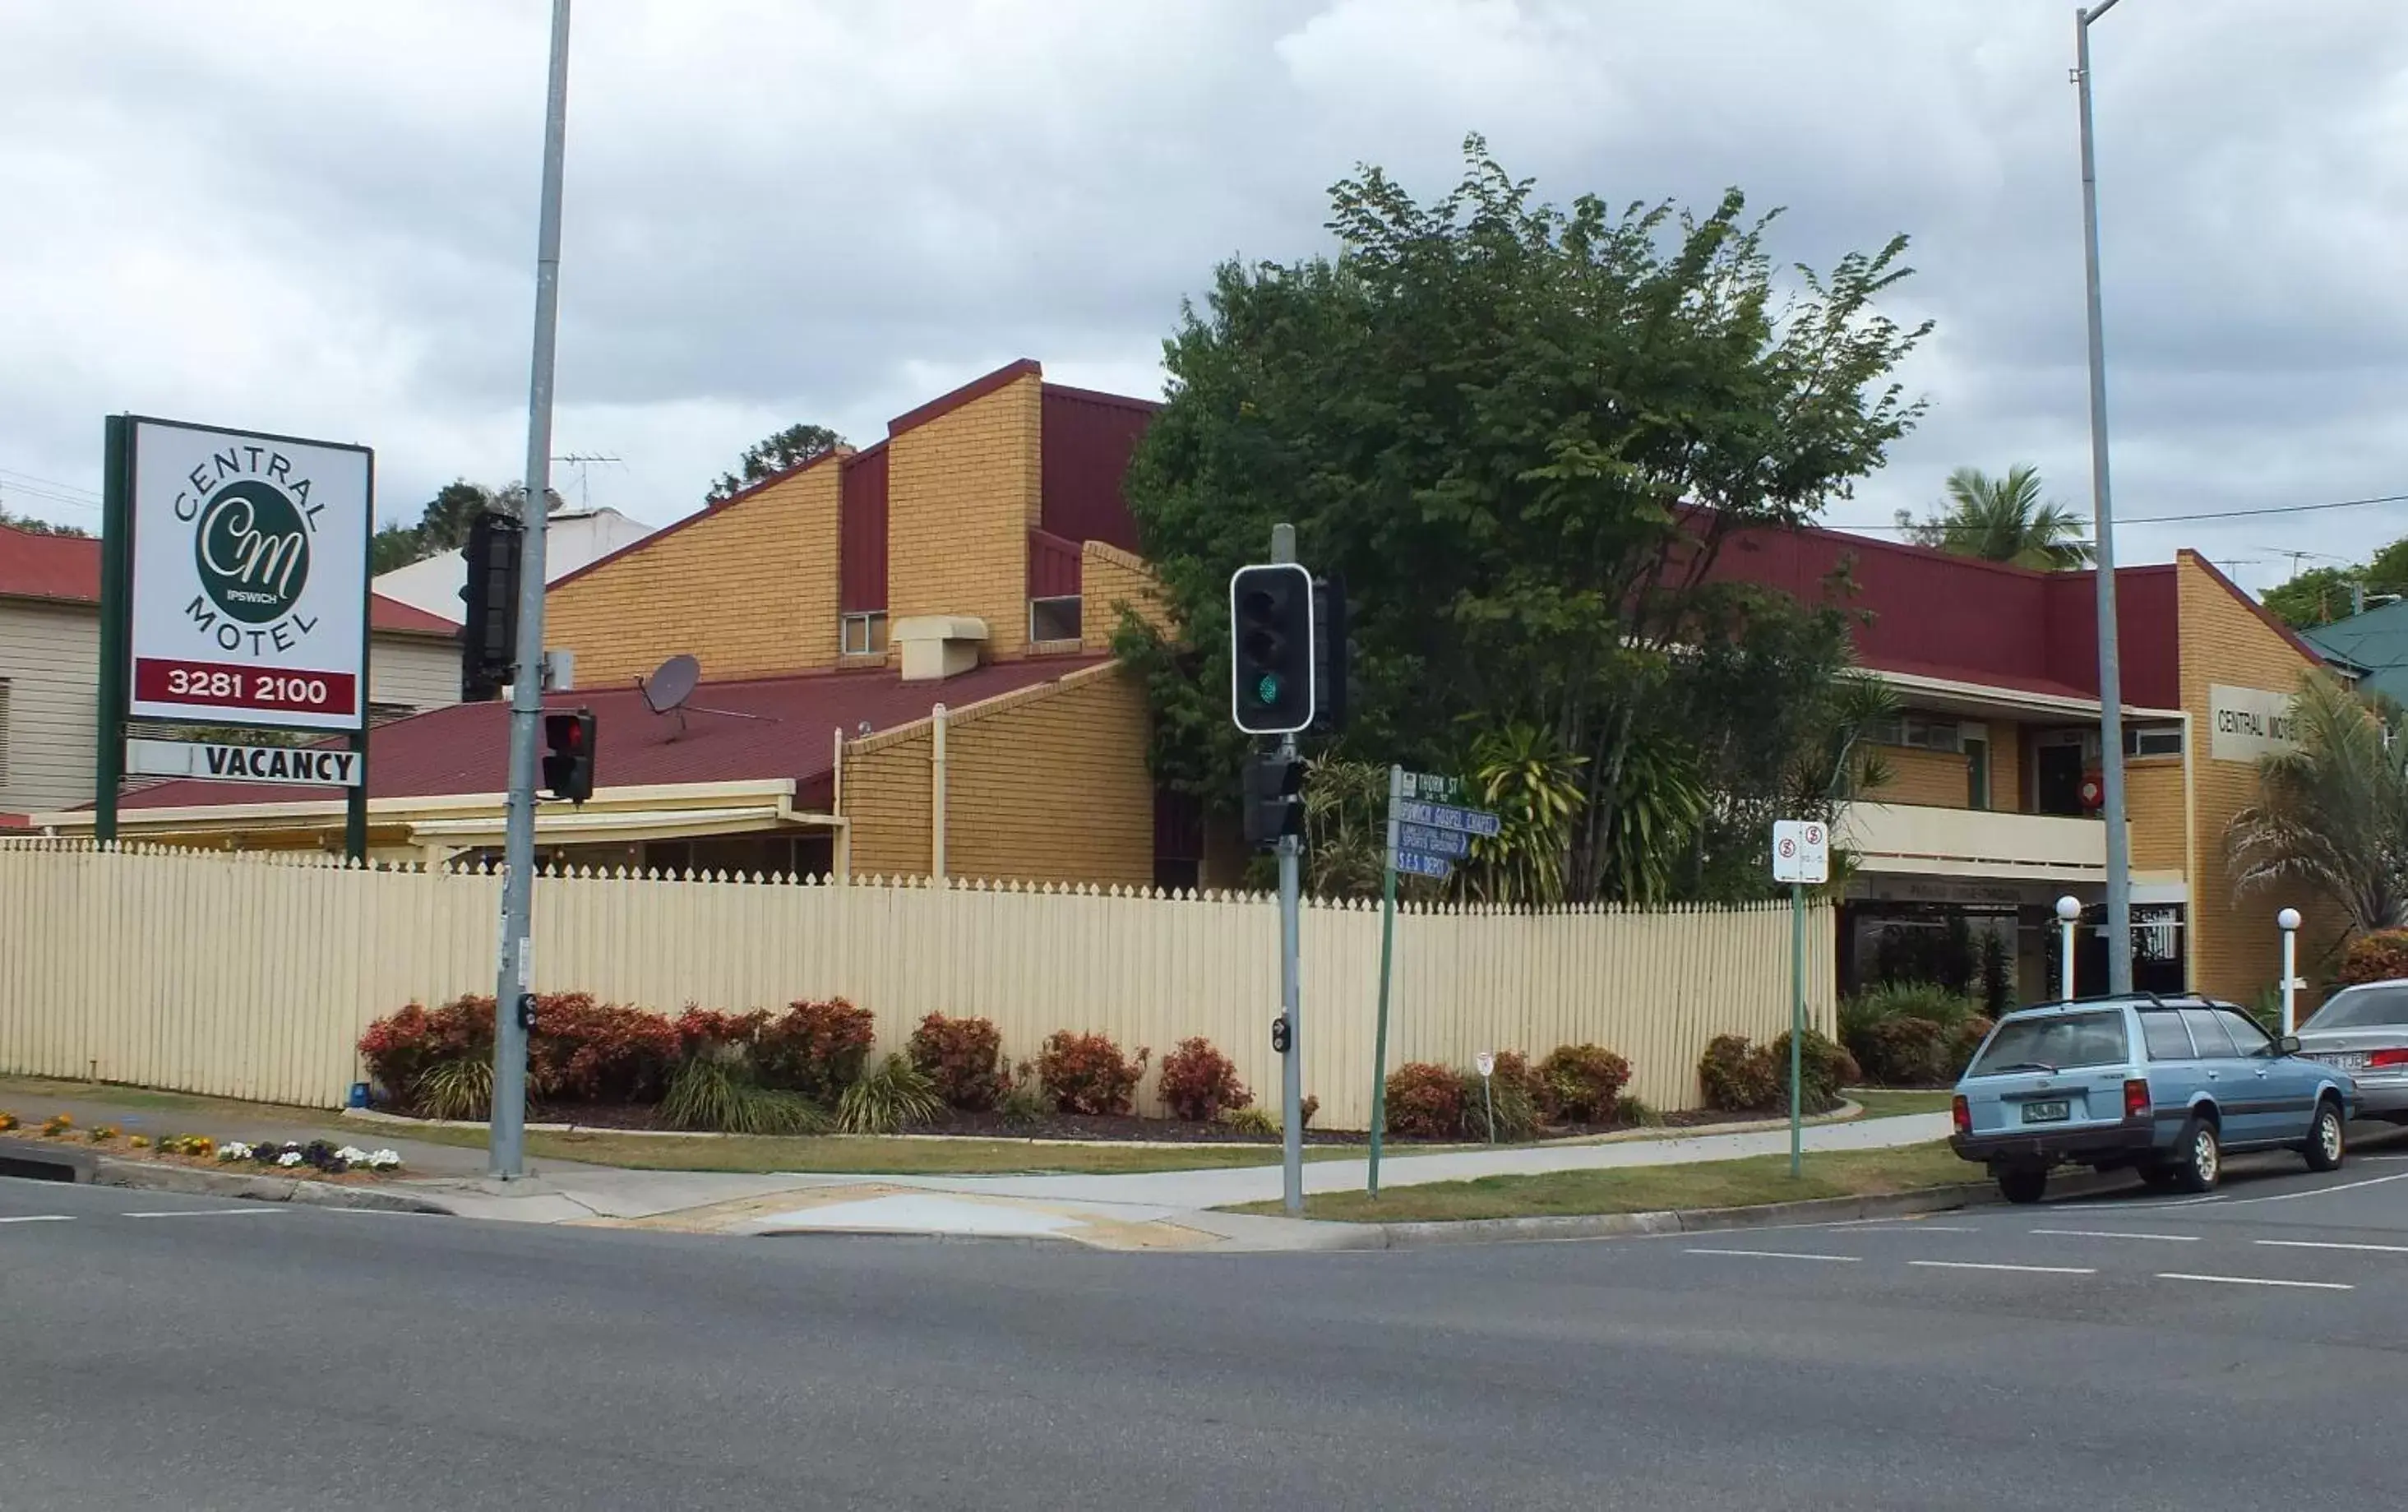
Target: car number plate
[
  {"x": 2344, "y": 1059},
  {"x": 2052, "y": 1112}
]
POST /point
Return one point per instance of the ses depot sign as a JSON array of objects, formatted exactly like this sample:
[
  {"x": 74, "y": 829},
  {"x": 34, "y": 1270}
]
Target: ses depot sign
[
  {"x": 250, "y": 578},
  {"x": 2245, "y": 724},
  {"x": 315, "y": 766}
]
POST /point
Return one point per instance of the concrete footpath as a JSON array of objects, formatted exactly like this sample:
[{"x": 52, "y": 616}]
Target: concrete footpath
[{"x": 1169, "y": 1210}]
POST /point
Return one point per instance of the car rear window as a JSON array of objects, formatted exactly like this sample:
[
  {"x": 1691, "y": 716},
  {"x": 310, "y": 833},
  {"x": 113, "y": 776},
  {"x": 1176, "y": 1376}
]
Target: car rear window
[
  {"x": 2058, "y": 1041},
  {"x": 2163, "y": 1033},
  {"x": 2362, "y": 1008}
]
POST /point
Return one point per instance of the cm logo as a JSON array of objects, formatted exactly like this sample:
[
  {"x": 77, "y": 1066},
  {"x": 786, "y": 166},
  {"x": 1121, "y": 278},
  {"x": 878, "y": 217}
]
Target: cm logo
[{"x": 253, "y": 551}]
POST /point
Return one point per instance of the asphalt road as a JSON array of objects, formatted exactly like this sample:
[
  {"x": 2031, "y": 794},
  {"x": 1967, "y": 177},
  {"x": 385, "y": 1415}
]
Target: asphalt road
[{"x": 185, "y": 1353}]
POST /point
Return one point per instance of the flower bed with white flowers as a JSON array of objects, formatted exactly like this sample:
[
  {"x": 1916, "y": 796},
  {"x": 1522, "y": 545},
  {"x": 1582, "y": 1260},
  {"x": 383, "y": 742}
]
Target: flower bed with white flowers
[{"x": 316, "y": 1159}]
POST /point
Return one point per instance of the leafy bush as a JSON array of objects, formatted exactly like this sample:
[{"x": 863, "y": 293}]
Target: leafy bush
[
  {"x": 714, "y": 1089},
  {"x": 1248, "y": 1120},
  {"x": 2378, "y": 956},
  {"x": 1904, "y": 1052},
  {"x": 1638, "y": 1114},
  {"x": 1425, "y": 1098},
  {"x": 1198, "y": 1081},
  {"x": 882, "y": 1100},
  {"x": 815, "y": 1048},
  {"x": 1087, "y": 1073},
  {"x": 964, "y": 1058},
  {"x": 1737, "y": 1075},
  {"x": 1581, "y": 1082},
  {"x": 1823, "y": 1069},
  {"x": 400, "y": 1050},
  {"x": 585, "y": 1051},
  {"x": 1963, "y": 1041},
  {"x": 1511, "y": 1098},
  {"x": 461, "y": 1088}
]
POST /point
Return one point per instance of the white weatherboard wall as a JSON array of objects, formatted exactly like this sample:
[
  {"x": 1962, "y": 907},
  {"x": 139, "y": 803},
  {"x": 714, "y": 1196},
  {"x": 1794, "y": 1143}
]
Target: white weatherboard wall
[{"x": 253, "y": 975}]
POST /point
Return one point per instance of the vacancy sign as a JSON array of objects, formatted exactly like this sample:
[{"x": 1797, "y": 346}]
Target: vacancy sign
[
  {"x": 1802, "y": 851},
  {"x": 316, "y": 766},
  {"x": 249, "y": 567}
]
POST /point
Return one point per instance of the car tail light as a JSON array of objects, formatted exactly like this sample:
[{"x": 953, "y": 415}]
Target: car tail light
[
  {"x": 2383, "y": 1059},
  {"x": 2136, "y": 1098},
  {"x": 1962, "y": 1114}
]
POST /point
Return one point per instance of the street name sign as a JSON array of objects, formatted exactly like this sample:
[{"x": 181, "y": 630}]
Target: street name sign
[
  {"x": 1448, "y": 817},
  {"x": 1452, "y": 844},
  {"x": 1417, "y": 864}
]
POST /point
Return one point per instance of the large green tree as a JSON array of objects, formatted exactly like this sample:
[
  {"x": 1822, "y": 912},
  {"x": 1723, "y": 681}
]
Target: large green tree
[
  {"x": 1522, "y": 435},
  {"x": 2002, "y": 520},
  {"x": 2332, "y": 816},
  {"x": 773, "y": 455},
  {"x": 2319, "y": 595},
  {"x": 41, "y": 527}
]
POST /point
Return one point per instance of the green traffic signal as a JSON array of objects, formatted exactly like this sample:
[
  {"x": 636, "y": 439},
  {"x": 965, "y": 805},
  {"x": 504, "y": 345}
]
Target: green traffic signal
[{"x": 1267, "y": 690}]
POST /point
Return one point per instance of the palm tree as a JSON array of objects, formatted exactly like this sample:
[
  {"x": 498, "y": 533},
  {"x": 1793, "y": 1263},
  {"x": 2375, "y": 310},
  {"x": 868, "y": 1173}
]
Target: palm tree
[
  {"x": 2003, "y": 520},
  {"x": 2331, "y": 816},
  {"x": 1524, "y": 775}
]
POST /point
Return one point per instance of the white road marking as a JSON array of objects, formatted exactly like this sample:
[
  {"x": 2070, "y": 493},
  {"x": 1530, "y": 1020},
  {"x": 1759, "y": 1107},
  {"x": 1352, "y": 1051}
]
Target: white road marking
[
  {"x": 2256, "y": 1281},
  {"x": 2316, "y": 1192},
  {"x": 1775, "y": 1254},
  {"x": 41, "y": 1217},
  {"x": 2318, "y": 1244},
  {"x": 203, "y": 1212},
  {"x": 1986, "y": 1265},
  {"x": 2109, "y": 1234},
  {"x": 1905, "y": 1226}
]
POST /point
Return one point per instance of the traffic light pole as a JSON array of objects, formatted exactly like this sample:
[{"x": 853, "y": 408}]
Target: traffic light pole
[
  {"x": 1291, "y": 866},
  {"x": 513, "y": 979}
]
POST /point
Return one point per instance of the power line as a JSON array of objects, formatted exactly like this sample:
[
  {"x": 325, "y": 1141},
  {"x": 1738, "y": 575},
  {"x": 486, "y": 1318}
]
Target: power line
[{"x": 2180, "y": 519}]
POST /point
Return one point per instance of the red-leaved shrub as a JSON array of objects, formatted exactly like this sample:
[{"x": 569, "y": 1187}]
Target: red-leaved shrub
[
  {"x": 708, "y": 1028},
  {"x": 1087, "y": 1073},
  {"x": 1738, "y": 1077},
  {"x": 1198, "y": 1081},
  {"x": 814, "y": 1048},
  {"x": 964, "y": 1057},
  {"x": 2378, "y": 956},
  {"x": 584, "y": 1051},
  {"x": 1581, "y": 1084},
  {"x": 399, "y": 1049},
  {"x": 1425, "y": 1098}
]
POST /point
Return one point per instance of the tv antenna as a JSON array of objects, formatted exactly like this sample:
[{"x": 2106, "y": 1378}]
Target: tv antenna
[
  {"x": 582, "y": 460},
  {"x": 673, "y": 683}
]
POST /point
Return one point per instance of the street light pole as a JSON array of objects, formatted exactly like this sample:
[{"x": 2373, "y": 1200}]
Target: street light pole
[
  {"x": 2111, "y": 681},
  {"x": 506, "y": 1141}
]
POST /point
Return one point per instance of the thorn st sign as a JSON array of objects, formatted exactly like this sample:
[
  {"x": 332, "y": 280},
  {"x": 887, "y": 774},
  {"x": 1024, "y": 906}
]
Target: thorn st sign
[{"x": 1802, "y": 851}]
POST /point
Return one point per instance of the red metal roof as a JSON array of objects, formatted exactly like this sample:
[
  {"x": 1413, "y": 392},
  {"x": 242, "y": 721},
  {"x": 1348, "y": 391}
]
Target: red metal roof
[
  {"x": 790, "y": 733},
  {"x": 67, "y": 569},
  {"x": 1088, "y": 440}
]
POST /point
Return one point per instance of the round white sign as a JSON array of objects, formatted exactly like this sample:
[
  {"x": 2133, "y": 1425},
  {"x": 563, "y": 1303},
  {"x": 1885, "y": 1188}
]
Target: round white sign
[{"x": 1486, "y": 1061}]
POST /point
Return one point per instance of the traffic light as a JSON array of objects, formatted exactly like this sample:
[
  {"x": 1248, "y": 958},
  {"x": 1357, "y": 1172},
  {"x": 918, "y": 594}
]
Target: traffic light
[
  {"x": 568, "y": 754},
  {"x": 1274, "y": 797},
  {"x": 1271, "y": 650},
  {"x": 489, "y": 632}
]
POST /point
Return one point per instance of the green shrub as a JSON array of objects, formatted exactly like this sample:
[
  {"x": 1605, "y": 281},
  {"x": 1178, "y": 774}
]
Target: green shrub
[
  {"x": 964, "y": 1058},
  {"x": 1638, "y": 1114},
  {"x": 1197, "y": 1082},
  {"x": 1737, "y": 1075},
  {"x": 1902, "y": 1052},
  {"x": 895, "y": 1094},
  {"x": 1823, "y": 1069},
  {"x": 713, "y": 1090},
  {"x": 1088, "y": 1074},
  {"x": 1581, "y": 1084},
  {"x": 1511, "y": 1097},
  {"x": 815, "y": 1048},
  {"x": 1022, "y": 1101},
  {"x": 1964, "y": 1041},
  {"x": 2378, "y": 956},
  {"x": 1250, "y": 1120},
  {"x": 460, "y": 1088},
  {"x": 1425, "y": 1098}
]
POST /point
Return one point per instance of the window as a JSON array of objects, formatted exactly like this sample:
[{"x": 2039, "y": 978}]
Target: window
[
  {"x": 2207, "y": 1032},
  {"x": 1977, "y": 765},
  {"x": 2054, "y": 1043},
  {"x": 862, "y": 635},
  {"x": 2166, "y": 1037},
  {"x": 2247, "y": 1037},
  {"x": 1054, "y": 619},
  {"x": 2366, "y": 1007},
  {"x": 1920, "y": 732},
  {"x": 2153, "y": 739}
]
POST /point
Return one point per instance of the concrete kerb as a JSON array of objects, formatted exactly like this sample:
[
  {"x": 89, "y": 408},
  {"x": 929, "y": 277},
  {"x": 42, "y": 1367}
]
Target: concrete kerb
[
  {"x": 1695, "y": 1220},
  {"x": 147, "y": 1175}
]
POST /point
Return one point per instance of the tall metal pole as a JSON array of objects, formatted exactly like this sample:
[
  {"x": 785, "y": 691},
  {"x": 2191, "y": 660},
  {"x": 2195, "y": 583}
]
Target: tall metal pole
[
  {"x": 2111, "y": 681},
  {"x": 506, "y": 1158},
  {"x": 1291, "y": 857},
  {"x": 1797, "y": 1027},
  {"x": 1387, "y": 956}
]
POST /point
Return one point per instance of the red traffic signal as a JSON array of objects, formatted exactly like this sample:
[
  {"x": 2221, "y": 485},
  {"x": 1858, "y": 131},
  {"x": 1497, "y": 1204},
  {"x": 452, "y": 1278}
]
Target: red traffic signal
[{"x": 568, "y": 754}]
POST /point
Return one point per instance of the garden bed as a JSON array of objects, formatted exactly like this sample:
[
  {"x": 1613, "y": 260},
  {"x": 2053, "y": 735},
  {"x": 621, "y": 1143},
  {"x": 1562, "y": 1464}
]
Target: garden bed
[{"x": 316, "y": 1159}]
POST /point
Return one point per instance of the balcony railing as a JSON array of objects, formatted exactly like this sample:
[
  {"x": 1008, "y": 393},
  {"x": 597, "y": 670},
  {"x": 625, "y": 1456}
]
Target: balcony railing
[{"x": 1974, "y": 843}]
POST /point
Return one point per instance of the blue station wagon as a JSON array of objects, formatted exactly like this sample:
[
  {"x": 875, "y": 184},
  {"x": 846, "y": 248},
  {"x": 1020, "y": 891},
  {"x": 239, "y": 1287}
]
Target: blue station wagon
[{"x": 2161, "y": 1086}]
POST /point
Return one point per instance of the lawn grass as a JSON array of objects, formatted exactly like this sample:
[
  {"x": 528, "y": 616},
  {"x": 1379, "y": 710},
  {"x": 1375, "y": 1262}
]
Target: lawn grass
[
  {"x": 1747, "y": 1183},
  {"x": 869, "y": 1154},
  {"x": 1886, "y": 1103},
  {"x": 27, "y": 1096}
]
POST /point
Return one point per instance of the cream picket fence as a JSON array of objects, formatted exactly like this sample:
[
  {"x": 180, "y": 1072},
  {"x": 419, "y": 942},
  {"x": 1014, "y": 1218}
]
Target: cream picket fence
[{"x": 253, "y": 975}]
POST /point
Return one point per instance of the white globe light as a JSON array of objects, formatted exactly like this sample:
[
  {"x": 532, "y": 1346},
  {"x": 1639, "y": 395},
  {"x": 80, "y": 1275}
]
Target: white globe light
[
  {"x": 2069, "y": 908},
  {"x": 2288, "y": 919}
]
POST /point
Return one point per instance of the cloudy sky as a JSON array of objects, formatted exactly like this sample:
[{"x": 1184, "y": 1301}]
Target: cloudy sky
[{"x": 319, "y": 218}]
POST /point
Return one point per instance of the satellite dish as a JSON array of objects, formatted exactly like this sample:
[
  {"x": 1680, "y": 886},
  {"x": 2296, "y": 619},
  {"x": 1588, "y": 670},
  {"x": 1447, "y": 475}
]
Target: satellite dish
[{"x": 671, "y": 684}]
